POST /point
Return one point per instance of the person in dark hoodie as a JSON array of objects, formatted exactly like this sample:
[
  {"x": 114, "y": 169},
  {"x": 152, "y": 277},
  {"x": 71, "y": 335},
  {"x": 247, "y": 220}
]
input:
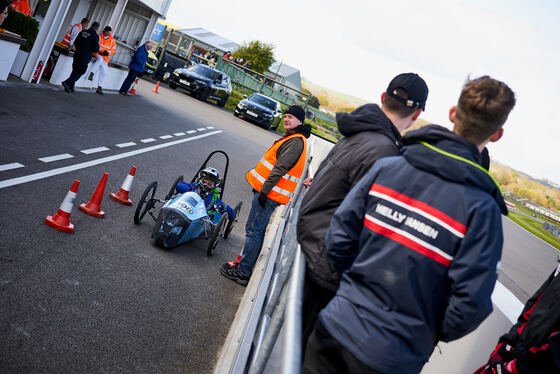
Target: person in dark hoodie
[
  {"x": 532, "y": 345},
  {"x": 417, "y": 241},
  {"x": 86, "y": 43},
  {"x": 274, "y": 180},
  {"x": 370, "y": 133}
]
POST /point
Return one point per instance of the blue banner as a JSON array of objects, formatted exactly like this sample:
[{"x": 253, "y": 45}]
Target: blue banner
[{"x": 157, "y": 34}]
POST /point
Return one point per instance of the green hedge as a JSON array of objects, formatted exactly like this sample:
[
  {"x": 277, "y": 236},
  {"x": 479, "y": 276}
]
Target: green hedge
[{"x": 22, "y": 25}]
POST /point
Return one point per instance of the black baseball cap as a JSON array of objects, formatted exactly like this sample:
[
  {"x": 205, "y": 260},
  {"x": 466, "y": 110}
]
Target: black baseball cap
[{"x": 414, "y": 86}]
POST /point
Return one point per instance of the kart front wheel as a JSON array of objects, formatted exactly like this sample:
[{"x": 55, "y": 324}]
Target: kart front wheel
[
  {"x": 232, "y": 221},
  {"x": 146, "y": 203},
  {"x": 216, "y": 235},
  {"x": 172, "y": 189}
]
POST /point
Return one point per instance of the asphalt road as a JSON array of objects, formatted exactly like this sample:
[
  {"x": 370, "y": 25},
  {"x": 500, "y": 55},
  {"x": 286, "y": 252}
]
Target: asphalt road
[
  {"x": 105, "y": 299},
  {"x": 526, "y": 260}
]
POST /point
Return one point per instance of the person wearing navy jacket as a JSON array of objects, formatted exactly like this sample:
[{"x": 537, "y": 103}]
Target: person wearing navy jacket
[
  {"x": 417, "y": 242},
  {"x": 137, "y": 65}
]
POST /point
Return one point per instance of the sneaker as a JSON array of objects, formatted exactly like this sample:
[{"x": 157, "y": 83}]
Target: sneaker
[
  {"x": 99, "y": 90},
  {"x": 66, "y": 87},
  {"x": 235, "y": 275},
  {"x": 231, "y": 264},
  {"x": 90, "y": 78},
  {"x": 123, "y": 93}
]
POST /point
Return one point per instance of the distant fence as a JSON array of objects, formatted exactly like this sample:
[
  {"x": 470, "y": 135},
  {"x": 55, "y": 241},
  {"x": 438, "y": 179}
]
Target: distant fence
[{"x": 265, "y": 85}]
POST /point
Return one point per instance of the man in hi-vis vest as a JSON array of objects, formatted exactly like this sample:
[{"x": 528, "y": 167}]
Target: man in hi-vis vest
[
  {"x": 73, "y": 32},
  {"x": 107, "y": 48},
  {"x": 274, "y": 181}
]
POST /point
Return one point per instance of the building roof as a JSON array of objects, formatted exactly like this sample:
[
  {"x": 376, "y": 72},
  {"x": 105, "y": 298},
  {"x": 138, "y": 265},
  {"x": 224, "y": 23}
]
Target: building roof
[
  {"x": 210, "y": 39},
  {"x": 285, "y": 70}
]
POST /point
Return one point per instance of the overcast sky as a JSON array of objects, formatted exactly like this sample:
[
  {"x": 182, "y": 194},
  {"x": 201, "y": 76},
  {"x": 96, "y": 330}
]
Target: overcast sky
[{"x": 356, "y": 47}]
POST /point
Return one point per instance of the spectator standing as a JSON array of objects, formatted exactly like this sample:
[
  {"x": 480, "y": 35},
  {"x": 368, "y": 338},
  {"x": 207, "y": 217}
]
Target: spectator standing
[
  {"x": 274, "y": 180},
  {"x": 532, "y": 345},
  {"x": 107, "y": 48},
  {"x": 137, "y": 66},
  {"x": 4, "y": 10},
  {"x": 87, "y": 43},
  {"x": 418, "y": 241},
  {"x": 73, "y": 32},
  {"x": 370, "y": 133}
]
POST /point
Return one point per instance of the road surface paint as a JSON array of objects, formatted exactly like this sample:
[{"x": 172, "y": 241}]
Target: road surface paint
[{"x": 83, "y": 165}]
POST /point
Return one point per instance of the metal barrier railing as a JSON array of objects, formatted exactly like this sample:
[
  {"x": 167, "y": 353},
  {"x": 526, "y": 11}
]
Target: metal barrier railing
[{"x": 276, "y": 305}]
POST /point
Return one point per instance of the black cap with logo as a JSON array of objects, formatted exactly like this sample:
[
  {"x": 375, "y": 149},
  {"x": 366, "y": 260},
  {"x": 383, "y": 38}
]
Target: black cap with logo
[{"x": 414, "y": 86}]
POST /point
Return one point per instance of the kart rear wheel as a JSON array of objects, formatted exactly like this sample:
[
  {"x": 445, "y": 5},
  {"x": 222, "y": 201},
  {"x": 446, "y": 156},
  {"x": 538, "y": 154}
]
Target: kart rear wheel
[
  {"x": 172, "y": 189},
  {"x": 146, "y": 203},
  {"x": 216, "y": 235},
  {"x": 232, "y": 221}
]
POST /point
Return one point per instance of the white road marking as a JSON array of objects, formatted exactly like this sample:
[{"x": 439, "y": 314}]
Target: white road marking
[
  {"x": 201, "y": 129},
  {"x": 11, "y": 166},
  {"x": 191, "y": 131},
  {"x": 83, "y": 165},
  {"x": 166, "y": 136},
  {"x": 506, "y": 301},
  {"x": 210, "y": 127},
  {"x": 179, "y": 134},
  {"x": 124, "y": 145},
  {"x": 94, "y": 150},
  {"x": 56, "y": 157},
  {"x": 148, "y": 140}
]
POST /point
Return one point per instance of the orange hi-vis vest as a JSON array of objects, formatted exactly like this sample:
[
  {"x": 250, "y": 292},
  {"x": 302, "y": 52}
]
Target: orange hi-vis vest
[
  {"x": 22, "y": 6},
  {"x": 66, "y": 39},
  {"x": 108, "y": 44},
  {"x": 284, "y": 189}
]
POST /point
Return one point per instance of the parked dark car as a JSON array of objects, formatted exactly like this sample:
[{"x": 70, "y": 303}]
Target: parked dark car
[
  {"x": 260, "y": 109},
  {"x": 203, "y": 82}
]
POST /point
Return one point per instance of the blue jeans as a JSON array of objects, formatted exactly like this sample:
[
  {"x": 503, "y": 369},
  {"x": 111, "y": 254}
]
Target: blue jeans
[{"x": 255, "y": 229}]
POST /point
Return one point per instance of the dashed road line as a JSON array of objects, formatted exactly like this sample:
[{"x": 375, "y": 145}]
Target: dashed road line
[
  {"x": 62, "y": 156},
  {"x": 201, "y": 129},
  {"x": 179, "y": 134},
  {"x": 83, "y": 165},
  {"x": 124, "y": 145},
  {"x": 11, "y": 166},
  {"x": 210, "y": 127},
  {"x": 147, "y": 140},
  {"x": 94, "y": 150},
  {"x": 191, "y": 132},
  {"x": 166, "y": 136}
]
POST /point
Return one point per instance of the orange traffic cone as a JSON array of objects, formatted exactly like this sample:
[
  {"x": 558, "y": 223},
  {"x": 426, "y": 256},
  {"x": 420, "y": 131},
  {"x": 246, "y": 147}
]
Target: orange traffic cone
[
  {"x": 156, "y": 87},
  {"x": 61, "y": 220},
  {"x": 93, "y": 207},
  {"x": 121, "y": 196},
  {"x": 236, "y": 261},
  {"x": 132, "y": 91}
]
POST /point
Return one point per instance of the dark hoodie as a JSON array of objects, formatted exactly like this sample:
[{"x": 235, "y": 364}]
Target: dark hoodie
[
  {"x": 368, "y": 136},
  {"x": 418, "y": 241},
  {"x": 287, "y": 157}
]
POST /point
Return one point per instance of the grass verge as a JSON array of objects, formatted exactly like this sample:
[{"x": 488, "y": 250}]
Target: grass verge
[{"x": 535, "y": 228}]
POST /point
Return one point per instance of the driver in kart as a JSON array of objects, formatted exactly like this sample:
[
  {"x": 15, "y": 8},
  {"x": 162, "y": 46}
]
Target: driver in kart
[{"x": 206, "y": 186}]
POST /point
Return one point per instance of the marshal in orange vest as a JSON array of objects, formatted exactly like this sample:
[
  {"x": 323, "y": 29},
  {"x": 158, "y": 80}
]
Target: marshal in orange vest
[
  {"x": 284, "y": 189},
  {"x": 66, "y": 39}
]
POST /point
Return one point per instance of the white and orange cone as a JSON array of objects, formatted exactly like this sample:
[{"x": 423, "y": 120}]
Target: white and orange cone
[
  {"x": 132, "y": 91},
  {"x": 61, "y": 220},
  {"x": 121, "y": 196}
]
